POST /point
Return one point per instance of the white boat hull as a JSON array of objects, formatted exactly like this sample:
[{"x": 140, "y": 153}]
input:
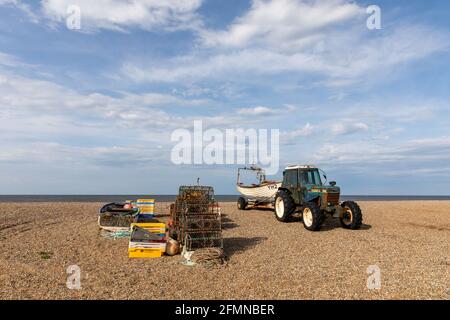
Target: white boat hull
[{"x": 263, "y": 193}]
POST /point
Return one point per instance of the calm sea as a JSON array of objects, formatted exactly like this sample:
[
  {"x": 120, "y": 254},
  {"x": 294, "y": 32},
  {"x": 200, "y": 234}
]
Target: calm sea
[{"x": 168, "y": 198}]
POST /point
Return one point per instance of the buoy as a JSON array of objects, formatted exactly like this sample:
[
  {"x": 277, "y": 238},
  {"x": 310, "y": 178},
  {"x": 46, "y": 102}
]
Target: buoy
[{"x": 172, "y": 247}]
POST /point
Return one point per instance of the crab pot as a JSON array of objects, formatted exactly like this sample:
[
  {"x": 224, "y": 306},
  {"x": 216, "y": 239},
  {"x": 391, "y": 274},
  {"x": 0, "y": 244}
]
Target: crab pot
[
  {"x": 201, "y": 223},
  {"x": 206, "y": 208},
  {"x": 194, "y": 241},
  {"x": 205, "y": 193},
  {"x": 115, "y": 221}
]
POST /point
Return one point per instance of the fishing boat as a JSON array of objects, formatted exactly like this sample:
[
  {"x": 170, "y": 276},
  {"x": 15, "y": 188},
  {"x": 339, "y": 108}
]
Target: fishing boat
[
  {"x": 117, "y": 216},
  {"x": 261, "y": 193}
]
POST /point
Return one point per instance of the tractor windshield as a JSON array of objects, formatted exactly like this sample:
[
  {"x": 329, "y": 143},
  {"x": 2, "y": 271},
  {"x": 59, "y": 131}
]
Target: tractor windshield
[{"x": 311, "y": 177}]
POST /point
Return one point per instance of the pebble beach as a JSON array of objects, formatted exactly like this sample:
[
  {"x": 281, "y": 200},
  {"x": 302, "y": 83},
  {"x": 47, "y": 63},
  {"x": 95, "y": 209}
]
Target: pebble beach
[{"x": 408, "y": 241}]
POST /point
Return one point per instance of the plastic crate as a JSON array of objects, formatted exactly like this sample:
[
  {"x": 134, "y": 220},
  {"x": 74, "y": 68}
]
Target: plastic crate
[
  {"x": 144, "y": 253},
  {"x": 150, "y": 226},
  {"x": 148, "y": 248},
  {"x": 146, "y": 206}
]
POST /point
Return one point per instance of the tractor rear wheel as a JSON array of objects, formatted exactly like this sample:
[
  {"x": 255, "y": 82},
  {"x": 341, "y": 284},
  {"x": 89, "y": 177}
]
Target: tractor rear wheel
[
  {"x": 313, "y": 217},
  {"x": 242, "y": 203},
  {"x": 284, "y": 206},
  {"x": 352, "y": 216}
]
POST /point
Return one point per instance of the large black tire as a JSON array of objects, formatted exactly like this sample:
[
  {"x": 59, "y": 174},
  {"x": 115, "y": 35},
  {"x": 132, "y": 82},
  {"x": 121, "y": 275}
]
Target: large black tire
[
  {"x": 284, "y": 206},
  {"x": 313, "y": 217},
  {"x": 352, "y": 219},
  {"x": 242, "y": 203}
]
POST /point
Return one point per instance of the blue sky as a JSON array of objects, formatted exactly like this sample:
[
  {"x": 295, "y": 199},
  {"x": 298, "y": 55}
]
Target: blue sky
[{"x": 91, "y": 111}]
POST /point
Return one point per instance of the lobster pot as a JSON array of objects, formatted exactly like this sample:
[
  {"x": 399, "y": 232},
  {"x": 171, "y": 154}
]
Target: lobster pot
[
  {"x": 146, "y": 206},
  {"x": 201, "y": 240},
  {"x": 199, "y": 224},
  {"x": 196, "y": 215},
  {"x": 111, "y": 222},
  {"x": 197, "y": 193}
]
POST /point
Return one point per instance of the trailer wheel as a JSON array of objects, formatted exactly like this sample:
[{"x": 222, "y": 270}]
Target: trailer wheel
[
  {"x": 242, "y": 203},
  {"x": 352, "y": 216},
  {"x": 313, "y": 217},
  {"x": 284, "y": 206}
]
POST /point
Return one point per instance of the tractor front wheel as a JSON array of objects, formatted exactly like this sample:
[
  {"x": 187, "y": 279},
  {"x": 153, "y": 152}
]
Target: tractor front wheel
[
  {"x": 242, "y": 203},
  {"x": 352, "y": 216},
  {"x": 313, "y": 217},
  {"x": 284, "y": 206}
]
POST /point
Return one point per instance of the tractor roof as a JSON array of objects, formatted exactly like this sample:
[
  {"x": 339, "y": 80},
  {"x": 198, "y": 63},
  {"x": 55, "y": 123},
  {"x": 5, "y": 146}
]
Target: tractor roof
[{"x": 307, "y": 166}]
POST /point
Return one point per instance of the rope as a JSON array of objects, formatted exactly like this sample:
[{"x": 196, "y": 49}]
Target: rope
[
  {"x": 116, "y": 234},
  {"x": 209, "y": 257}
]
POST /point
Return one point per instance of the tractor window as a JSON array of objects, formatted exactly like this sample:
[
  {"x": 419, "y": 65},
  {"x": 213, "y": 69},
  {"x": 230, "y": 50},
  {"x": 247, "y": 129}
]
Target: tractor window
[
  {"x": 291, "y": 177},
  {"x": 310, "y": 177},
  {"x": 304, "y": 177}
]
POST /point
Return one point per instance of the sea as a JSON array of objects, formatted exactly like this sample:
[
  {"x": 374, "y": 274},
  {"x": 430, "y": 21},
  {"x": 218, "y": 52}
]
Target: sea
[{"x": 169, "y": 198}]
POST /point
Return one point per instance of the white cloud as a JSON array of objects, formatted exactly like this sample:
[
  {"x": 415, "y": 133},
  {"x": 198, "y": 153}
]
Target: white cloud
[
  {"x": 256, "y": 111},
  {"x": 264, "y": 111},
  {"x": 124, "y": 14},
  {"x": 25, "y": 8},
  {"x": 290, "y": 137},
  {"x": 346, "y": 57},
  {"x": 37, "y": 114},
  {"x": 287, "y": 24},
  {"x": 49, "y": 152},
  {"x": 7, "y": 60},
  {"x": 348, "y": 127},
  {"x": 413, "y": 154},
  {"x": 37, "y": 109}
]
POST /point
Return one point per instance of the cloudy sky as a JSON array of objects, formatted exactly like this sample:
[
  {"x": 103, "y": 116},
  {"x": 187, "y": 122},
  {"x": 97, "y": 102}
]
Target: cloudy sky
[{"x": 91, "y": 111}]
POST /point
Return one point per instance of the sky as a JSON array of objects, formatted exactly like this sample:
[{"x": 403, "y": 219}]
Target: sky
[{"x": 92, "y": 110}]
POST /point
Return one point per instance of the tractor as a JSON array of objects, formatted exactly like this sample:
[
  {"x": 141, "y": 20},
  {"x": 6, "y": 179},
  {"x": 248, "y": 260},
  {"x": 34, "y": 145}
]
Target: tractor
[{"x": 302, "y": 190}]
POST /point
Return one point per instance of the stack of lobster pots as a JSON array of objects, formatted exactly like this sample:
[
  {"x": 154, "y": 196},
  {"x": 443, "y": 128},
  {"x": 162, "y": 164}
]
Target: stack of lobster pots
[{"x": 196, "y": 219}]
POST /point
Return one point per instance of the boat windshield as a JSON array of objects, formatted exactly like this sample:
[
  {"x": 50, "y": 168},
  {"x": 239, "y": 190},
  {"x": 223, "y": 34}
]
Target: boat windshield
[
  {"x": 250, "y": 177},
  {"x": 310, "y": 177}
]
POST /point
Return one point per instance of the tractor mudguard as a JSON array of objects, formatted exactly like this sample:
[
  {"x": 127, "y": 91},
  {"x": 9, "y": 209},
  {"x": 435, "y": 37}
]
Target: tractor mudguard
[{"x": 311, "y": 197}]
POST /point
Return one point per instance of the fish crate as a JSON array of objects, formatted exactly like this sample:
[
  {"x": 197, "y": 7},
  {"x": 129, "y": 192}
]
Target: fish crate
[
  {"x": 150, "y": 243},
  {"x": 200, "y": 240},
  {"x": 143, "y": 253},
  {"x": 159, "y": 228},
  {"x": 146, "y": 206},
  {"x": 145, "y": 218}
]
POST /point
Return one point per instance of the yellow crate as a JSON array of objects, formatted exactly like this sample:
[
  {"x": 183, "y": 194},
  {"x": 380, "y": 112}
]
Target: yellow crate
[
  {"x": 147, "y": 206},
  {"x": 150, "y": 226},
  {"x": 144, "y": 253}
]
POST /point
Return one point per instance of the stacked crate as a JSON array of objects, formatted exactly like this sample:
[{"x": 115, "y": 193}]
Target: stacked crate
[
  {"x": 146, "y": 206},
  {"x": 153, "y": 246}
]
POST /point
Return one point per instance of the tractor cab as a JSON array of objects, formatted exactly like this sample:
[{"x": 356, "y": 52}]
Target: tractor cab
[{"x": 305, "y": 184}]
